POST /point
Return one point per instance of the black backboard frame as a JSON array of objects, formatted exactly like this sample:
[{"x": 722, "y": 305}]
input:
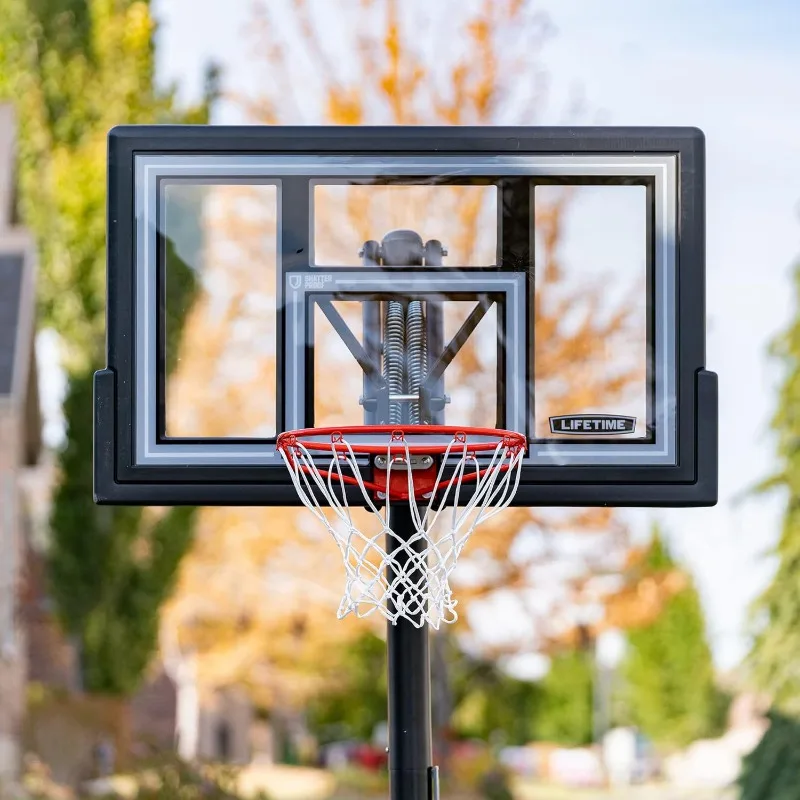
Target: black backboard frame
[{"x": 690, "y": 482}]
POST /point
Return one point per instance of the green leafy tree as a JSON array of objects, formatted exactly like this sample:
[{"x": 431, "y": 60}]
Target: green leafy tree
[
  {"x": 772, "y": 770},
  {"x": 73, "y": 69},
  {"x": 776, "y": 651},
  {"x": 565, "y": 715},
  {"x": 487, "y": 701},
  {"x": 356, "y": 702},
  {"x": 491, "y": 704},
  {"x": 669, "y": 672}
]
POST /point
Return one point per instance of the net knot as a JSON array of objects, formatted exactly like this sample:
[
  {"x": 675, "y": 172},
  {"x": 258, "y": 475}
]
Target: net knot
[{"x": 512, "y": 445}]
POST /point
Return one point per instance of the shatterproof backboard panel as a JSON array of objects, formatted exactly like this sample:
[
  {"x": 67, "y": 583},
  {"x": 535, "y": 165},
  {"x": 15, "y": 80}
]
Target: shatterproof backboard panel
[{"x": 546, "y": 281}]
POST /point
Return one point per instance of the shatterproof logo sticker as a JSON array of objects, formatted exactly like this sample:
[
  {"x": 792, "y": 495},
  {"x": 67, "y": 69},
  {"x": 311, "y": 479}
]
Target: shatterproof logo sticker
[{"x": 592, "y": 424}]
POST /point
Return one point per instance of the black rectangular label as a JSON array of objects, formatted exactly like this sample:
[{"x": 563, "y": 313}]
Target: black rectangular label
[{"x": 592, "y": 425}]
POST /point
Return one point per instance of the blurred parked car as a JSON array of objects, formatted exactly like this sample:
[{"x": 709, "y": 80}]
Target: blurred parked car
[
  {"x": 579, "y": 767},
  {"x": 351, "y": 753},
  {"x": 522, "y": 761}
]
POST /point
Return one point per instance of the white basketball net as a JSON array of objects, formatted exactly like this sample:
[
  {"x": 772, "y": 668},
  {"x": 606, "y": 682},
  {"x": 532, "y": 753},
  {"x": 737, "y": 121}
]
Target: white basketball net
[{"x": 403, "y": 578}]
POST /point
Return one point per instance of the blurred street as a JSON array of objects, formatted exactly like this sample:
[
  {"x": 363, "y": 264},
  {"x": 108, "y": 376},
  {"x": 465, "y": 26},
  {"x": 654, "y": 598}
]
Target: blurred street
[{"x": 654, "y": 792}]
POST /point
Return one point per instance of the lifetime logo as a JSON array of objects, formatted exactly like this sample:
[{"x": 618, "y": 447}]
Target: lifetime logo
[{"x": 592, "y": 424}]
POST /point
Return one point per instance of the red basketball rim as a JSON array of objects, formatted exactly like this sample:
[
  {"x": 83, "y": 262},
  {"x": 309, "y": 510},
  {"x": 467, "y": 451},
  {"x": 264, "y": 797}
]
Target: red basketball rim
[
  {"x": 328, "y": 440},
  {"x": 336, "y": 441}
]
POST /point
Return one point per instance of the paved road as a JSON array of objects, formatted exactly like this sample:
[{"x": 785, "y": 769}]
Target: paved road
[{"x": 532, "y": 792}]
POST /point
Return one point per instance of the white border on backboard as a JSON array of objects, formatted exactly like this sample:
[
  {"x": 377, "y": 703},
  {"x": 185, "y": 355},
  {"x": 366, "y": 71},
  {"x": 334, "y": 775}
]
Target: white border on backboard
[{"x": 661, "y": 168}]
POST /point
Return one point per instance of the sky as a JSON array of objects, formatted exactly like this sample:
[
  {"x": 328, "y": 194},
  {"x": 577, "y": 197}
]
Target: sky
[{"x": 729, "y": 67}]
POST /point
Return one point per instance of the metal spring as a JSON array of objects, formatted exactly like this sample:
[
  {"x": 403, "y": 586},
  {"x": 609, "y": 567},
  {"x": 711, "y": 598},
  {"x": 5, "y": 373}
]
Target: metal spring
[
  {"x": 417, "y": 356},
  {"x": 394, "y": 344}
]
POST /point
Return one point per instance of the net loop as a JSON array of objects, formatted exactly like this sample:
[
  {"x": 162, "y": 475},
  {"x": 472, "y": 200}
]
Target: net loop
[{"x": 403, "y": 577}]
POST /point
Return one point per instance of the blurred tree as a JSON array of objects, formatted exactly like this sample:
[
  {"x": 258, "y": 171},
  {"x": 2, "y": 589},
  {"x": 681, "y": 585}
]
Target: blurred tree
[
  {"x": 772, "y": 770},
  {"x": 489, "y": 704},
  {"x": 355, "y": 701},
  {"x": 565, "y": 715},
  {"x": 393, "y": 63},
  {"x": 776, "y": 649},
  {"x": 74, "y": 69},
  {"x": 671, "y": 693},
  {"x": 397, "y": 72}
]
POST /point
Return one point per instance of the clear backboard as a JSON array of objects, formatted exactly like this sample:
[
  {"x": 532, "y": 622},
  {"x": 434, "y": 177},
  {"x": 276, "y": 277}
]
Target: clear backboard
[{"x": 547, "y": 281}]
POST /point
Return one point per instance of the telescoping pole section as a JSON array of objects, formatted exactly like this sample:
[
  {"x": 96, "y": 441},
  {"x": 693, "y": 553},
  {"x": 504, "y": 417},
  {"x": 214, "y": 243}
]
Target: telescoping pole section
[
  {"x": 406, "y": 353},
  {"x": 411, "y": 775}
]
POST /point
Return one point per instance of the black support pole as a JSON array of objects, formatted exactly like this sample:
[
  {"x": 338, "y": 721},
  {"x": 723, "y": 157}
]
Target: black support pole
[{"x": 410, "y": 771}]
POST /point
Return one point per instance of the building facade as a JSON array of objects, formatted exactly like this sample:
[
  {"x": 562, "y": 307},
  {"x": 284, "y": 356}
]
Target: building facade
[{"x": 20, "y": 443}]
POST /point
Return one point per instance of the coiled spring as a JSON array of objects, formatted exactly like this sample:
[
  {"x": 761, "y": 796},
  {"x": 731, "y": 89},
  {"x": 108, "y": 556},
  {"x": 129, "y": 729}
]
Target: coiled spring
[
  {"x": 417, "y": 350},
  {"x": 394, "y": 348},
  {"x": 405, "y": 359}
]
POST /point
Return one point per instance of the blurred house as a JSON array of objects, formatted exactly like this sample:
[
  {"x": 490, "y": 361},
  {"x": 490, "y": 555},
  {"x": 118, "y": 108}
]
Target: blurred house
[
  {"x": 51, "y": 660},
  {"x": 225, "y": 716},
  {"x": 225, "y": 723},
  {"x": 20, "y": 442},
  {"x": 226, "y": 720},
  {"x": 226, "y": 731},
  {"x": 33, "y": 649}
]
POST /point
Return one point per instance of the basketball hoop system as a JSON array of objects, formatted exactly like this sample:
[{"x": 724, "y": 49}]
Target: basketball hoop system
[
  {"x": 405, "y": 348},
  {"x": 390, "y": 572}
]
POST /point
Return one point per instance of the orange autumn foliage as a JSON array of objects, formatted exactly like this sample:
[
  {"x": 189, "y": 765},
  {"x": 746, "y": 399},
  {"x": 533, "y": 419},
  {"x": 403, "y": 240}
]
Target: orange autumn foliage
[{"x": 253, "y": 572}]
